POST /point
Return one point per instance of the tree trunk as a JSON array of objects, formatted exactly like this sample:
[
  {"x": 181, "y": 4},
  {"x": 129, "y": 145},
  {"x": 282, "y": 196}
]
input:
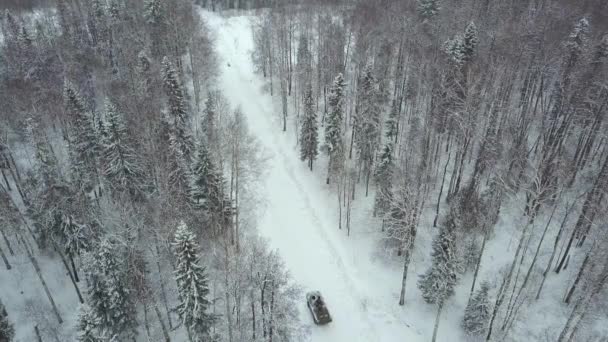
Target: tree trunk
[
  {"x": 163, "y": 293},
  {"x": 7, "y": 242},
  {"x": 578, "y": 278},
  {"x": 6, "y": 263},
  {"x": 162, "y": 324},
  {"x": 445, "y": 169},
  {"x": 75, "y": 272},
  {"x": 67, "y": 267},
  {"x": 557, "y": 238},
  {"x": 478, "y": 264},
  {"x": 37, "y": 333},
  {"x": 436, "y": 327}
]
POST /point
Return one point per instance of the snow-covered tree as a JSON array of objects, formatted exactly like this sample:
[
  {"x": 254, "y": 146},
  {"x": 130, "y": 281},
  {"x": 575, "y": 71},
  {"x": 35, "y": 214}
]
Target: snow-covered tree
[
  {"x": 122, "y": 168},
  {"x": 309, "y": 137},
  {"x": 456, "y": 50},
  {"x": 177, "y": 110},
  {"x": 383, "y": 177},
  {"x": 333, "y": 128},
  {"x": 84, "y": 147},
  {"x": 7, "y": 331},
  {"x": 437, "y": 284},
  {"x": 204, "y": 179},
  {"x": 368, "y": 122},
  {"x": 193, "y": 290},
  {"x": 470, "y": 40},
  {"x": 477, "y": 312},
  {"x": 153, "y": 12},
  {"x": 87, "y": 326},
  {"x": 112, "y": 308},
  {"x": 210, "y": 129},
  {"x": 427, "y": 9}
]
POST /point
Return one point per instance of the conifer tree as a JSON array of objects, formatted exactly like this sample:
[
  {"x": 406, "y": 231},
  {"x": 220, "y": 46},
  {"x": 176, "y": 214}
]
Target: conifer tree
[
  {"x": 477, "y": 312},
  {"x": 7, "y": 331},
  {"x": 309, "y": 138},
  {"x": 84, "y": 147},
  {"x": 177, "y": 110},
  {"x": 204, "y": 179},
  {"x": 87, "y": 326},
  {"x": 153, "y": 12},
  {"x": 437, "y": 284},
  {"x": 122, "y": 168},
  {"x": 112, "y": 308},
  {"x": 470, "y": 40},
  {"x": 456, "y": 50},
  {"x": 383, "y": 177},
  {"x": 368, "y": 124},
  {"x": 427, "y": 9},
  {"x": 192, "y": 286},
  {"x": 210, "y": 121},
  {"x": 333, "y": 128}
]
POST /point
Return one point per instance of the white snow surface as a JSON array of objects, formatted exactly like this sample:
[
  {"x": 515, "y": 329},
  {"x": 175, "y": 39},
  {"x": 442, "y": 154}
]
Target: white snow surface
[{"x": 299, "y": 219}]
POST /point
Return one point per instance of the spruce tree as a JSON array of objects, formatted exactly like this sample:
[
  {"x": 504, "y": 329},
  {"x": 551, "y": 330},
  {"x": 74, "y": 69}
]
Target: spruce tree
[
  {"x": 470, "y": 40},
  {"x": 204, "y": 180},
  {"x": 456, "y": 50},
  {"x": 477, "y": 312},
  {"x": 112, "y": 308},
  {"x": 122, "y": 168},
  {"x": 309, "y": 137},
  {"x": 333, "y": 128},
  {"x": 437, "y": 284},
  {"x": 368, "y": 124},
  {"x": 193, "y": 290},
  {"x": 383, "y": 177},
  {"x": 427, "y": 9},
  {"x": 210, "y": 121},
  {"x": 84, "y": 148},
  {"x": 177, "y": 110},
  {"x": 7, "y": 331},
  {"x": 87, "y": 326}
]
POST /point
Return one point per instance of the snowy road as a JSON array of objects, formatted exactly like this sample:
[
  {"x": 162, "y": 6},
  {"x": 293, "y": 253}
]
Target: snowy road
[{"x": 297, "y": 218}]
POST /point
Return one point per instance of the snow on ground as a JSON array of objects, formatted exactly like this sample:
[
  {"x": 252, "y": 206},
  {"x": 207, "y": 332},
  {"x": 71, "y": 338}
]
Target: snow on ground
[{"x": 299, "y": 219}]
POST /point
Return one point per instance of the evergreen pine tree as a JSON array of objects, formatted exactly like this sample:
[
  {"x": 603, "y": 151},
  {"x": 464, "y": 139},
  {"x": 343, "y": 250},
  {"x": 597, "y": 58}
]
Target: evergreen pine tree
[
  {"x": 309, "y": 138},
  {"x": 87, "y": 326},
  {"x": 192, "y": 285},
  {"x": 477, "y": 312},
  {"x": 209, "y": 121},
  {"x": 7, "y": 331},
  {"x": 84, "y": 146},
  {"x": 112, "y": 309},
  {"x": 204, "y": 180},
  {"x": 122, "y": 168},
  {"x": 153, "y": 12},
  {"x": 333, "y": 128},
  {"x": 427, "y": 9},
  {"x": 470, "y": 40},
  {"x": 178, "y": 110},
  {"x": 383, "y": 177},
  {"x": 437, "y": 284},
  {"x": 456, "y": 50},
  {"x": 367, "y": 123}
]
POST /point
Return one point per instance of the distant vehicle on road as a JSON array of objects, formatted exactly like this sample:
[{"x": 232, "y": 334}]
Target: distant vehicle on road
[{"x": 317, "y": 307}]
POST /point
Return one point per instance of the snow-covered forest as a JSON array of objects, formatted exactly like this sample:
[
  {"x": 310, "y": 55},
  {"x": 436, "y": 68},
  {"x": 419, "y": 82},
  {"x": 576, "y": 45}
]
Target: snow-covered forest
[{"x": 179, "y": 170}]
